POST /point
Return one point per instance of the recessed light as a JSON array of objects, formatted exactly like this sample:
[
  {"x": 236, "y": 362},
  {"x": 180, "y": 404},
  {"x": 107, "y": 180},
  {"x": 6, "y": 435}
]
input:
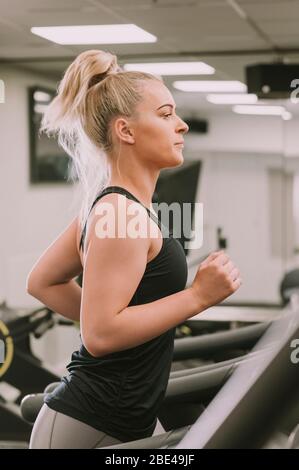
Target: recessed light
[
  {"x": 266, "y": 110},
  {"x": 232, "y": 98},
  {"x": 173, "y": 68},
  {"x": 286, "y": 116},
  {"x": 204, "y": 86},
  {"x": 95, "y": 34}
]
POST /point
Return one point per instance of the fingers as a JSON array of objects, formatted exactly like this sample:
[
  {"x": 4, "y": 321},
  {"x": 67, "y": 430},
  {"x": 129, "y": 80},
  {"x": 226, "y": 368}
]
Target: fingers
[
  {"x": 224, "y": 261},
  {"x": 221, "y": 259},
  {"x": 234, "y": 273},
  {"x": 211, "y": 257},
  {"x": 217, "y": 257},
  {"x": 237, "y": 283},
  {"x": 229, "y": 266}
]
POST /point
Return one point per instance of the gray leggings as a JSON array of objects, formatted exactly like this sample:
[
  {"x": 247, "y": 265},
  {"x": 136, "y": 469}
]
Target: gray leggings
[{"x": 54, "y": 430}]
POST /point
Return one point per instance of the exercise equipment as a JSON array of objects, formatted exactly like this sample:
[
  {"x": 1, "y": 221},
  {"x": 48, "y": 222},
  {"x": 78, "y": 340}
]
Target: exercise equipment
[
  {"x": 242, "y": 415},
  {"x": 191, "y": 390},
  {"x": 205, "y": 346},
  {"x": 195, "y": 387},
  {"x": 188, "y": 390},
  {"x": 26, "y": 372},
  {"x": 219, "y": 344},
  {"x": 23, "y": 372},
  {"x": 289, "y": 286}
]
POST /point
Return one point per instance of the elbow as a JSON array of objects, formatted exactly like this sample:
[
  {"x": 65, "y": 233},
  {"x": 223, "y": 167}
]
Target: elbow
[
  {"x": 95, "y": 346},
  {"x": 32, "y": 287}
]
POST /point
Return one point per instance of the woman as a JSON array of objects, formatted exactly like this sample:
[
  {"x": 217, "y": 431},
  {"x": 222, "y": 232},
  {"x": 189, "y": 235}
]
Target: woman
[{"x": 121, "y": 129}]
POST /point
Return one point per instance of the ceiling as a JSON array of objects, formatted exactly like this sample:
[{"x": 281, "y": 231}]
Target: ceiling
[{"x": 226, "y": 34}]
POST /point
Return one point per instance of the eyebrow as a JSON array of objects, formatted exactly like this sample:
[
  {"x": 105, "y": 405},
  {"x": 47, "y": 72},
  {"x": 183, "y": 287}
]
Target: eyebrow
[{"x": 171, "y": 106}]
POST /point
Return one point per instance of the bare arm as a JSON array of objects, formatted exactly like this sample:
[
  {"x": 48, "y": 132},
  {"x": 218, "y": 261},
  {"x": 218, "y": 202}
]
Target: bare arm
[
  {"x": 51, "y": 279},
  {"x": 113, "y": 270}
]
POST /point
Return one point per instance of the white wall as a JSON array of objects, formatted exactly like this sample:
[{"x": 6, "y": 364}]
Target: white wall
[
  {"x": 246, "y": 187},
  {"x": 241, "y": 133},
  {"x": 31, "y": 215},
  {"x": 237, "y": 193}
]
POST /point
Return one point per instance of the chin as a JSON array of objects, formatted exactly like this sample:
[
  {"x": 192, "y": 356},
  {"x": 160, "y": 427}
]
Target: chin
[
  {"x": 176, "y": 160},
  {"x": 179, "y": 160}
]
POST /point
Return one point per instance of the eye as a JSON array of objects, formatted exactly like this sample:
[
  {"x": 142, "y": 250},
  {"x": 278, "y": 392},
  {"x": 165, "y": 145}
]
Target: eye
[{"x": 166, "y": 115}]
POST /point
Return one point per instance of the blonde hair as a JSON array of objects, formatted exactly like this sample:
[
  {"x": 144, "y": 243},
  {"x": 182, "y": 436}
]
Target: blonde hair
[{"x": 91, "y": 93}]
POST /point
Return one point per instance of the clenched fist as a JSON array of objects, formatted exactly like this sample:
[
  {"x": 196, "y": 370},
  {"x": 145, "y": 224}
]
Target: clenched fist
[{"x": 216, "y": 279}]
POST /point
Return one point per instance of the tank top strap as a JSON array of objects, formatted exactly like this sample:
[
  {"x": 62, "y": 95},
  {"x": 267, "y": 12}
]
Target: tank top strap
[{"x": 124, "y": 192}]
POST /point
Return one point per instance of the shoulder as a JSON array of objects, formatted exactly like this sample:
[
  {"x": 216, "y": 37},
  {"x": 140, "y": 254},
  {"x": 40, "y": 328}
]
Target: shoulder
[{"x": 117, "y": 217}]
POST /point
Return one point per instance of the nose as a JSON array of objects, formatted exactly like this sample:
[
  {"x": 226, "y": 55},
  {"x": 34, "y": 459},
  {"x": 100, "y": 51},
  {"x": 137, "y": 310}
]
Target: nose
[{"x": 182, "y": 126}]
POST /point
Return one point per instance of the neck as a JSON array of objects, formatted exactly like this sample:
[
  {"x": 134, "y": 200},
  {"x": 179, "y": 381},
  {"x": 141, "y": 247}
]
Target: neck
[
  {"x": 141, "y": 190},
  {"x": 140, "y": 181}
]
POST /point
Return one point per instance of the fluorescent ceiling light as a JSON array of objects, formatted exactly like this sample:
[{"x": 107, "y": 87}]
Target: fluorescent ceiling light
[
  {"x": 210, "y": 86},
  {"x": 173, "y": 68},
  {"x": 95, "y": 34},
  {"x": 266, "y": 110},
  {"x": 41, "y": 97},
  {"x": 232, "y": 99},
  {"x": 40, "y": 108},
  {"x": 286, "y": 116}
]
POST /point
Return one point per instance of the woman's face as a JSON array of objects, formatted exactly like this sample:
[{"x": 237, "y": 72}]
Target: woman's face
[{"x": 158, "y": 131}]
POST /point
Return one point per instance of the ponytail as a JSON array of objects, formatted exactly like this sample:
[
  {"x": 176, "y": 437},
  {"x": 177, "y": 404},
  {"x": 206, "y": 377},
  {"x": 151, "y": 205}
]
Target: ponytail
[{"x": 92, "y": 91}]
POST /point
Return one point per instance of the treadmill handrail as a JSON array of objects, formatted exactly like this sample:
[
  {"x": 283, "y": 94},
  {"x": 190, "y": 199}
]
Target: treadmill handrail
[{"x": 204, "y": 345}]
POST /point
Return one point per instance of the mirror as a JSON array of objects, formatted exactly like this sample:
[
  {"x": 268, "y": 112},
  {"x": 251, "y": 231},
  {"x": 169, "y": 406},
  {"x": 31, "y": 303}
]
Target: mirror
[{"x": 48, "y": 162}]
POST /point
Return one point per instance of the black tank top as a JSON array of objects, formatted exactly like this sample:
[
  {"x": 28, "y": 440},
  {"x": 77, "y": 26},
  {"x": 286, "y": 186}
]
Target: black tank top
[{"x": 120, "y": 393}]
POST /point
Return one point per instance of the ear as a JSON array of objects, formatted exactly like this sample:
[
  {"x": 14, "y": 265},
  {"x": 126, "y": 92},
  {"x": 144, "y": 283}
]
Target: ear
[{"x": 124, "y": 130}]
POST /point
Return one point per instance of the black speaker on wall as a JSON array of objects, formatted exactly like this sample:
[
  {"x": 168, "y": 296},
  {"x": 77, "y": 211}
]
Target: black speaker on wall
[
  {"x": 200, "y": 126},
  {"x": 271, "y": 80}
]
